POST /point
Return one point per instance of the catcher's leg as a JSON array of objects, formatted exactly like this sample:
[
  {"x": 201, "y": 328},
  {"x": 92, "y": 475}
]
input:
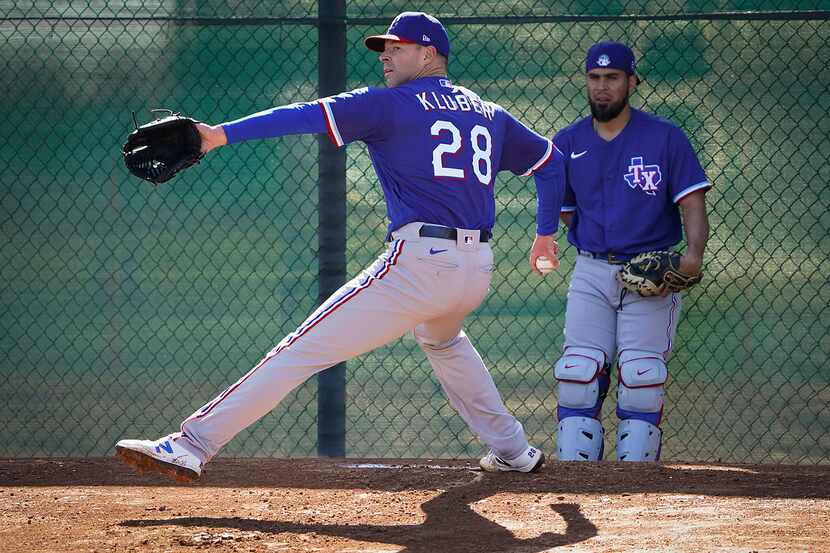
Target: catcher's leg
[
  {"x": 582, "y": 373},
  {"x": 646, "y": 328},
  {"x": 642, "y": 377}
]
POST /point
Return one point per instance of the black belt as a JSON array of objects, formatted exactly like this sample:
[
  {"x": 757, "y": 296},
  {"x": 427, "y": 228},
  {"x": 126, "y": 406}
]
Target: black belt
[
  {"x": 612, "y": 258},
  {"x": 435, "y": 231}
]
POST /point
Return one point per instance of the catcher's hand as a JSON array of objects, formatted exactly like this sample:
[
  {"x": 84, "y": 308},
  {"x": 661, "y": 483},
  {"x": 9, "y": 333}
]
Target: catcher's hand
[
  {"x": 655, "y": 274},
  {"x": 161, "y": 148}
]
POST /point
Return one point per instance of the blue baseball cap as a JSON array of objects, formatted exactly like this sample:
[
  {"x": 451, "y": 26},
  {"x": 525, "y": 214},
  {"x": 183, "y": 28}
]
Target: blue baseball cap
[
  {"x": 611, "y": 55},
  {"x": 413, "y": 28}
]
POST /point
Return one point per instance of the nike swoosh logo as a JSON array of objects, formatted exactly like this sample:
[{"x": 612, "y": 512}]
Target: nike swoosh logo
[
  {"x": 641, "y": 372},
  {"x": 579, "y": 155},
  {"x": 433, "y": 251},
  {"x": 570, "y": 366}
]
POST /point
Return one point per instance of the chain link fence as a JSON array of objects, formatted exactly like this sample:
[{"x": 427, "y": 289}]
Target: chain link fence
[{"x": 126, "y": 307}]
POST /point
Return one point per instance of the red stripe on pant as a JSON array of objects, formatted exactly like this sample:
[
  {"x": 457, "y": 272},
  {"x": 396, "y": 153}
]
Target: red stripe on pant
[{"x": 302, "y": 331}]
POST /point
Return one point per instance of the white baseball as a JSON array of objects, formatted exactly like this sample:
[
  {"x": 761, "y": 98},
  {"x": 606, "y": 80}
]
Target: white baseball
[{"x": 544, "y": 264}]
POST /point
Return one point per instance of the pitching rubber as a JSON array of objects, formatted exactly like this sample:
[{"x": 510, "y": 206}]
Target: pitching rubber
[{"x": 144, "y": 463}]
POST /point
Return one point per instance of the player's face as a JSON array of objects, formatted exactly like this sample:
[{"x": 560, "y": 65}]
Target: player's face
[
  {"x": 608, "y": 91},
  {"x": 402, "y": 62}
]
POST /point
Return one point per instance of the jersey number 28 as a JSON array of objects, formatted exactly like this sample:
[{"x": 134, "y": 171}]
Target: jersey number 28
[{"x": 482, "y": 166}]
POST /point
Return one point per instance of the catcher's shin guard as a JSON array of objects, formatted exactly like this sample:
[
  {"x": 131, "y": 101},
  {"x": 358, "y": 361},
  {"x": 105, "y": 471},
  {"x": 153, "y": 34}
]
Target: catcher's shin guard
[
  {"x": 583, "y": 384},
  {"x": 638, "y": 440},
  {"x": 580, "y": 439},
  {"x": 642, "y": 377}
]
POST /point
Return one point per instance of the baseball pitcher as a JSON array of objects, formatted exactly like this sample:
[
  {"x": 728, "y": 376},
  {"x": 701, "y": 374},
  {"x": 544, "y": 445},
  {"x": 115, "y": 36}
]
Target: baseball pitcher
[{"x": 436, "y": 148}]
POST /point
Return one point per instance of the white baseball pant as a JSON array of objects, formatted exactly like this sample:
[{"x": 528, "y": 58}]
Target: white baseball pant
[{"x": 424, "y": 285}]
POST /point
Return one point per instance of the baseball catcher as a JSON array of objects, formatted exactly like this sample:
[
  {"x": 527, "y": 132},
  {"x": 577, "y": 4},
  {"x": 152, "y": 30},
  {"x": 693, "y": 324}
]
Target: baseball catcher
[
  {"x": 161, "y": 148},
  {"x": 656, "y": 273},
  {"x": 620, "y": 161}
]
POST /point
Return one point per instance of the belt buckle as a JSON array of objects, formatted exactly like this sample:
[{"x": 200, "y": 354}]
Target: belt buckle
[{"x": 468, "y": 239}]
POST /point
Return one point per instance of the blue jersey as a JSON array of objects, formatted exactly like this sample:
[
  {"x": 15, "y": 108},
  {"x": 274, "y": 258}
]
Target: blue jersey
[
  {"x": 436, "y": 149},
  {"x": 624, "y": 192}
]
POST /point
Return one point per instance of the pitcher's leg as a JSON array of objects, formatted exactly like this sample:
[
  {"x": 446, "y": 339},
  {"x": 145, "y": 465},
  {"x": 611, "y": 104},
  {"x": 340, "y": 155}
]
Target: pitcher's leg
[
  {"x": 469, "y": 386},
  {"x": 364, "y": 314},
  {"x": 369, "y": 311}
]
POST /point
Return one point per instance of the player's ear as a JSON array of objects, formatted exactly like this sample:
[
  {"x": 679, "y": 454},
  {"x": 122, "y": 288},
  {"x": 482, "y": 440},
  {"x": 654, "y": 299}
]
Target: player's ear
[{"x": 430, "y": 53}]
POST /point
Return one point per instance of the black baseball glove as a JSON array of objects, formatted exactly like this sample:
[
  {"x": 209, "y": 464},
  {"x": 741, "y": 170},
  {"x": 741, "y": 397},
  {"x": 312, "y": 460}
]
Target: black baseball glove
[
  {"x": 161, "y": 148},
  {"x": 655, "y": 273}
]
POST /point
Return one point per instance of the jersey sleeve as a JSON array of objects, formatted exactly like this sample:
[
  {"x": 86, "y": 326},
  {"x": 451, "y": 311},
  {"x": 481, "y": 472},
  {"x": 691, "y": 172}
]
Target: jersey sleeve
[
  {"x": 302, "y": 118},
  {"x": 686, "y": 175},
  {"x": 361, "y": 114},
  {"x": 550, "y": 188},
  {"x": 524, "y": 151},
  {"x": 569, "y": 198}
]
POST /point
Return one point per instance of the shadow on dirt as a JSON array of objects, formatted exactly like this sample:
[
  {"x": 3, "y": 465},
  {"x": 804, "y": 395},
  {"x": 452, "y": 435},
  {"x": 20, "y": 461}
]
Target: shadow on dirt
[
  {"x": 451, "y": 526},
  {"x": 451, "y": 521}
]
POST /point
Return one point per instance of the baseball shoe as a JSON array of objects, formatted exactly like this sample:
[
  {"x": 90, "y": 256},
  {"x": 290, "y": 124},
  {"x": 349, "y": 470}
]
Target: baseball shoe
[
  {"x": 530, "y": 460},
  {"x": 165, "y": 456}
]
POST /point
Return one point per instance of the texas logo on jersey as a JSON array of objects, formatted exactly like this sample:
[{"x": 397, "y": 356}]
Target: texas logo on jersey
[{"x": 645, "y": 176}]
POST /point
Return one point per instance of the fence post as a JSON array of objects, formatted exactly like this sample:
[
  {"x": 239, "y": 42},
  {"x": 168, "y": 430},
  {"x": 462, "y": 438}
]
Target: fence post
[{"x": 331, "y": 383}]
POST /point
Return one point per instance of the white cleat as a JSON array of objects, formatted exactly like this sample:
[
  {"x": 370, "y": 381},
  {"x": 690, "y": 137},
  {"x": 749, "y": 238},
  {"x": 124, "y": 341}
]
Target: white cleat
[
  {"x": 166, "y": 456},
  {"x": 530, "y": 460}
]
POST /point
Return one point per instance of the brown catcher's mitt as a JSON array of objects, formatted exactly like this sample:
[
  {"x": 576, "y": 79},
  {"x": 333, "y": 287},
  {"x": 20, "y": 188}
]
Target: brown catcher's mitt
[{"x": 654, "y": 273}]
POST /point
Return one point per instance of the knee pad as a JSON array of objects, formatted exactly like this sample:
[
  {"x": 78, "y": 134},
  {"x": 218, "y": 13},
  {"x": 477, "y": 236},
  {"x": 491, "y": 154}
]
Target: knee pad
[
  {"x": 642, "y": 377},
  {"x": 583, "y": 382},
  {"x": 580, "y": 439},
  {"x": 638, "y": 440}
]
